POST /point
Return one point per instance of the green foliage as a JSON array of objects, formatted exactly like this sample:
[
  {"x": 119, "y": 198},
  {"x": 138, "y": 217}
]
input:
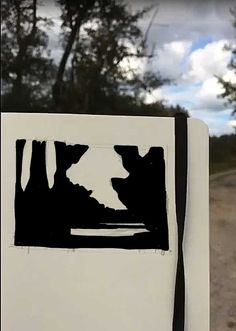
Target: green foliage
[
  {"x": 229, "y": 93},
  {"x": 222, "y": 153}
]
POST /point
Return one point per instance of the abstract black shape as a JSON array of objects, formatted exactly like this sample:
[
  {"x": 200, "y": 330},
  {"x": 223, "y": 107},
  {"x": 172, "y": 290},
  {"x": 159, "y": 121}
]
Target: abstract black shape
[
  {"x": 73, "y": 202},
  {"x": 129, "y": 162},
  {"x": 143, "y": 191},
  {"x": 44, "y": 217},
  {"x": 20, "y": 205},
  {"x": 31, "y": 204},
  {"x": 42, "y": 213}
]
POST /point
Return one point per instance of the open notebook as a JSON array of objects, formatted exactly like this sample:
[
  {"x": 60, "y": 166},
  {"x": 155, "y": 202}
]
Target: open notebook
[{"x": 94, "y": 222}]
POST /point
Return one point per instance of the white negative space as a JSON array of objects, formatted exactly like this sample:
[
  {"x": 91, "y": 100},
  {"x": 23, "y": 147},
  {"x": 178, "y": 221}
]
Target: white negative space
[
  {"x": 50, "y": 163},
  {"x": 26, "y": 160},
  {"x": 95, "y": 170},
  {"x": 107, "y": 232}
]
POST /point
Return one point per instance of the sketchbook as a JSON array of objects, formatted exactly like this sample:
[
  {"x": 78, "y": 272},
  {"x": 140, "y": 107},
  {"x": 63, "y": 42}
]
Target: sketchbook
[{"x": 105, "y": 223}]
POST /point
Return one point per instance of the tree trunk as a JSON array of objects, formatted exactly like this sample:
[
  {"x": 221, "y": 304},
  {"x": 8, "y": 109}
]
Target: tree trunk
[
  {"x": 23, "y": 44},
  {"x": 57, "y": 87}
]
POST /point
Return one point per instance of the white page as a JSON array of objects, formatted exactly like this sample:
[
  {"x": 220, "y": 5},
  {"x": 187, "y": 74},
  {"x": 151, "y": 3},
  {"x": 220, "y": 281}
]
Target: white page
[{"x": 106, "y": 289}]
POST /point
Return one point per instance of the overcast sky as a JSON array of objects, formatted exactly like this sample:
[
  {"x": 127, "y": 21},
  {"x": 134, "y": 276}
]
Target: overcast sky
[{"x": 189, "y": 39}]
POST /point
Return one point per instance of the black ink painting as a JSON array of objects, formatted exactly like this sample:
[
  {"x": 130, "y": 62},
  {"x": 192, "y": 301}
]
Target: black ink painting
[{"x": 46, "y": 216}]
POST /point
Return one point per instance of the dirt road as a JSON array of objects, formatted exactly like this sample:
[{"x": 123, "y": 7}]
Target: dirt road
[{"x": 223, "y": 251}]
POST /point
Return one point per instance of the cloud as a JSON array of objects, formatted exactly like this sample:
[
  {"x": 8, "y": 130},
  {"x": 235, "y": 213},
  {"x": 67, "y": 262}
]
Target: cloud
[
  {"x": 207, "y": 97},
  {"x": 197, "y": 86},
  {"x": 187, "y": 20},
  {"x": 230, "y": 76},
  {"x": 218, "y": 123},
  {"x": 173, "y": 95},
  {"x": 170, "y": 58},
  {"x": 132, "y": 65},
  {"x": 195, "y": 72},
  {"x": 189, "y": 39},
  {"x": 155, "y": 95},
  {"x": 206, "y": 62},
  {"x": 49, "y": 9}
]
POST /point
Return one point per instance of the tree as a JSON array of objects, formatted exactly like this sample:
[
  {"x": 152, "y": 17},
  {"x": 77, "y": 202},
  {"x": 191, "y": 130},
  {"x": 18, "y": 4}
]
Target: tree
[
  {"x": 27, "y": 68},
  {"x": 230, "y": 87},
  {"x": 96, "y": 78},
  {"x": 74, "y": 14},
  {"x": 99, "y": 38}
]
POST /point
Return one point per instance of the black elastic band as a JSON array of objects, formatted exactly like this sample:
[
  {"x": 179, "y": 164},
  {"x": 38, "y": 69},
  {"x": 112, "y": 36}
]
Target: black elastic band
[{"x": 180, "y": 197}]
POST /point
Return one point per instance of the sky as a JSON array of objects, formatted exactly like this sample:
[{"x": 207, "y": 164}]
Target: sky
[{"x": 188, "y": 39}]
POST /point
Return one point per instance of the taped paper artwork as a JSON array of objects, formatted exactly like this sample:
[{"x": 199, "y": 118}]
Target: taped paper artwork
[{"x": 69, "y": 214}]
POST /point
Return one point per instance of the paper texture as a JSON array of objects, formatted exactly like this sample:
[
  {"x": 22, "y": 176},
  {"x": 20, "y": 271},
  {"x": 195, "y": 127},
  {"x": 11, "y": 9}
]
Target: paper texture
[{"x": 105, "y": 289}]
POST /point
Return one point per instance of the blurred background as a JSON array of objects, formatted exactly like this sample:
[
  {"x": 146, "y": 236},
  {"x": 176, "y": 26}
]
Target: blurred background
[{"x": 144, "y": 58}]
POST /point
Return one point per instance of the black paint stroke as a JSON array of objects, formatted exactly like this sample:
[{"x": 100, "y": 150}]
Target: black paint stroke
[
  {"x": 44, "y": 217},
  {"x": 120, "y": 226},
  {"x": 143, "y": 191}
]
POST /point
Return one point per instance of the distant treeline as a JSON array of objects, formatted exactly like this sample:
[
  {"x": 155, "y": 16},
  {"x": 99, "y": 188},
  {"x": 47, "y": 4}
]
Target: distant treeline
[{"x": 222, "y": 153}]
